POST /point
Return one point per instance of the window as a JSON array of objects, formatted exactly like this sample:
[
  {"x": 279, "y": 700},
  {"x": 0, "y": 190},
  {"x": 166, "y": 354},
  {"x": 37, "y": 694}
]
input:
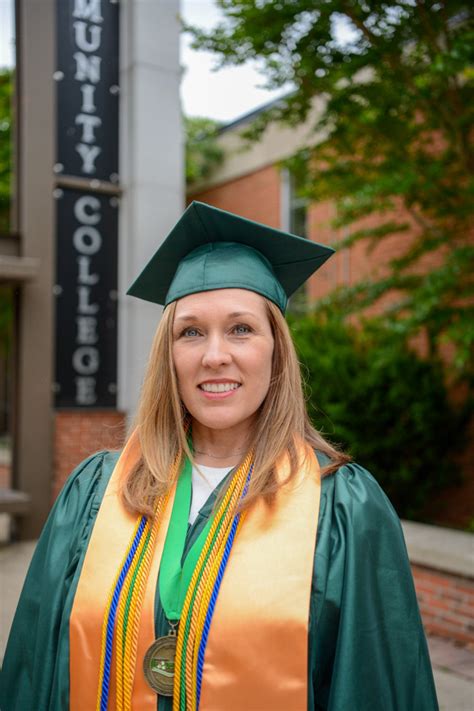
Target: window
[{"x": 297, "y": 223}]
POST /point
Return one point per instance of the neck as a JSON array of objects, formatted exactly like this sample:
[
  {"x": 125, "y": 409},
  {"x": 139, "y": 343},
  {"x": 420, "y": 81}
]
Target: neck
[{"x": 219, "y": 448}]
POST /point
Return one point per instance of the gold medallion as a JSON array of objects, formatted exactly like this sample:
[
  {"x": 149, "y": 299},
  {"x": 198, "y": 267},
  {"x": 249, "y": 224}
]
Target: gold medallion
[{"x": 158, "y": 665}]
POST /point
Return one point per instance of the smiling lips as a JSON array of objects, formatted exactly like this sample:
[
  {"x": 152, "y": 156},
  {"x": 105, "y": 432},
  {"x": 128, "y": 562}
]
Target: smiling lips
[{"x": 219, "y": 390}]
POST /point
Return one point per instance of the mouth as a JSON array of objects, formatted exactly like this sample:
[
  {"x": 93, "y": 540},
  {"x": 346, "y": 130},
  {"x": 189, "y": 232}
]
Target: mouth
[{"x": 213, "y": 387}]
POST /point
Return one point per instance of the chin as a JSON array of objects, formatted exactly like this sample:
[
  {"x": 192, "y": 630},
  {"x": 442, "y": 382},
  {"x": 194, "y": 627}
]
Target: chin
[
  {"x": 217, "y": 423},
  {"x": 218, "y": 420}
]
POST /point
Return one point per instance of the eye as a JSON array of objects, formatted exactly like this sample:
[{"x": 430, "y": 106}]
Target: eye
[
  {"x": 189, "y": 332},
  {"x": 241, "y": 329}
]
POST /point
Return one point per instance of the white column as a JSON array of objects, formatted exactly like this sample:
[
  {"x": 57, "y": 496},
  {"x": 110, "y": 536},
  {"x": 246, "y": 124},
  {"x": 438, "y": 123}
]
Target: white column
[{"x": 151, "y": 169}]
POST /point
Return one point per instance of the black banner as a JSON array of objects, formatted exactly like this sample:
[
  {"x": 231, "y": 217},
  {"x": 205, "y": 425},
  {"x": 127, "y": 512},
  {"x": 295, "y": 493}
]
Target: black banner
[
  {"x": 87, "y": 222},
  {"x": 86, "y": 300},
  {"x": 87, "y": 88}
]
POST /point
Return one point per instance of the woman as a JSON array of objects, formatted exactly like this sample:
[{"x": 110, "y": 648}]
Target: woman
[{"x": 230, "y": 559}]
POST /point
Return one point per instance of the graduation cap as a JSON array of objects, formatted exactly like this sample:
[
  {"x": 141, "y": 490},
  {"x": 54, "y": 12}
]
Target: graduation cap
[{"x": 209, "y": 249}]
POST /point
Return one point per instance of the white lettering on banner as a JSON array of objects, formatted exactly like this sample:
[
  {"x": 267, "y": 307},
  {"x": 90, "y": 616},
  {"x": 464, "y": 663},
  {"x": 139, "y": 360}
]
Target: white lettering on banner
[
  {"x": 87, "y": 242},
  {"x": 87, "y": 330},
  {"x": 88, "y": 91},
  {"x": 87, "y": 44},
  {"x": 87, "y": 39},
  {"x": 86, "y": 360},
  {"x": 87, "y": 239},
  {"x": 87, "y": 68},
  {"x": 85, "y": 391},
  {"x": 88, "y": 10},
  {"x": 84, "y": 306},
  {"x": 88, "y": 155},
  {"x": 81, "y": 210},
  {"x": 84, "y": 276},
  {"x": 88, "y": 123}
]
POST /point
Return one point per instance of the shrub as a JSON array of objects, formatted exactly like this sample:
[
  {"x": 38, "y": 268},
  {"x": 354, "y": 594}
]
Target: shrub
[{"x": 385, "y": 405}]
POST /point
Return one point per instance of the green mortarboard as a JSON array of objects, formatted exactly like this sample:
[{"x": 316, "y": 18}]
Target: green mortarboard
[{"x": 211, "y": 249}]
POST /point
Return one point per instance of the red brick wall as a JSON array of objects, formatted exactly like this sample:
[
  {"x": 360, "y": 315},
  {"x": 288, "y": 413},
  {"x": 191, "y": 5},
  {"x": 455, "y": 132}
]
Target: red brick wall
[
  {"x": 446, "y": 603},
  {"x": 362, "y": 260},
  {"x": 79, "y": 434},
  {"x": 255, "y": 196}
]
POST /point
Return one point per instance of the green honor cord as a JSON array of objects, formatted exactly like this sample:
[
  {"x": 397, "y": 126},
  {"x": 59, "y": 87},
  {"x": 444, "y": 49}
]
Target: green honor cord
[{"x": 175, "y": 578}]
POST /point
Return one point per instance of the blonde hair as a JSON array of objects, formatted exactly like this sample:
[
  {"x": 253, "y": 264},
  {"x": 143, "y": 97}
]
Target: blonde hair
[{"x": 161, "y": 421}]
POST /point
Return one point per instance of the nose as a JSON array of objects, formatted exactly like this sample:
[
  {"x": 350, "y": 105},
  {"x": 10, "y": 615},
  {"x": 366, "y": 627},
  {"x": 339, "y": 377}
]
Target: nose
[{"x": 216, "y": 352}]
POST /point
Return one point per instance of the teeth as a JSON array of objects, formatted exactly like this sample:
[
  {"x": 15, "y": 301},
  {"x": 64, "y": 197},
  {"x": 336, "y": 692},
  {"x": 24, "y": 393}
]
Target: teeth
[{"x": 218, "y": 387}]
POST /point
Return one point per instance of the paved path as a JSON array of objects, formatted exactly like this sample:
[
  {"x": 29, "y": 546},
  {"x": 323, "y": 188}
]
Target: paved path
[{"x": 453, "y": 665}]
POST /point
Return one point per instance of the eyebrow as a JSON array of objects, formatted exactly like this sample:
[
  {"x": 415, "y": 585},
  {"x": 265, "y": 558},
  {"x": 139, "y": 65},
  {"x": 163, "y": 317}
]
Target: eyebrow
[{"x": 194, "y": 317}]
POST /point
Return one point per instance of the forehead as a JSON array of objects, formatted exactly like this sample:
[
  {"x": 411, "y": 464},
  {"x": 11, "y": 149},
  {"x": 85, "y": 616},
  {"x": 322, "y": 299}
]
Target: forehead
[{"x": 221, "y": 302}]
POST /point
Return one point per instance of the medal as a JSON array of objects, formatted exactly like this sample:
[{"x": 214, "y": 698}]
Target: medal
[
  {"x": 158, "y": 664},
  {"x": 163, "y": 672}
]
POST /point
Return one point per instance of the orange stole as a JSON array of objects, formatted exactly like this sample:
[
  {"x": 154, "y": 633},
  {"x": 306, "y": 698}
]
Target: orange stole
[
  {"x": 109, "y": 541},
  {"x": 257, "y": 651}
]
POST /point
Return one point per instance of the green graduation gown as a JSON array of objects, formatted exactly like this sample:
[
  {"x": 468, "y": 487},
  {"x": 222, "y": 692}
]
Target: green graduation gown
[{"x": 367, "y": 649}]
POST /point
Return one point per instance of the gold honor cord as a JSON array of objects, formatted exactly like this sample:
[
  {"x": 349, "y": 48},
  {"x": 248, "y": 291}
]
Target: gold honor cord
[
  {"x": 126, "y": 660},
  {"x": 203, "y": 579},
  {"x": 128, "y": 591}
]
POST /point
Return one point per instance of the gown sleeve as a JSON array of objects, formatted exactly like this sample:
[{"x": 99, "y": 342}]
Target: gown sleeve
[
  {"x": 367, "y": 648},
  {"x": 35, "y": 672}
]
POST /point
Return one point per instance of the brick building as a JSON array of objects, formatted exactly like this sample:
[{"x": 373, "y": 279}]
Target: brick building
[{"x": 252, "y": 183}]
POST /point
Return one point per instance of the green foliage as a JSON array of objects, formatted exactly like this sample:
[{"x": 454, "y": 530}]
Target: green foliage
[
  {"x": 6, "y": 93},
  {"x": 395, "y": 84},
  {"x": 386, "y": 406},
  {"x": 202, "y": 152}
]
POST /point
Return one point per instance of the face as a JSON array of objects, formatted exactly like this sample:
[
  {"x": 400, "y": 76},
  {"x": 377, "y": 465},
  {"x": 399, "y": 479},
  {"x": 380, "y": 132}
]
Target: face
[{"x": 222, "y": 352}]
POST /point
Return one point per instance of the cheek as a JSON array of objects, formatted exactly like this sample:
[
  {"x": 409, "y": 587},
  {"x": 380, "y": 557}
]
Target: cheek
[
  {"x": 263, "y": 369},
  {"x": 181, "y": 366},
  {"x": 269, "y": 371}
]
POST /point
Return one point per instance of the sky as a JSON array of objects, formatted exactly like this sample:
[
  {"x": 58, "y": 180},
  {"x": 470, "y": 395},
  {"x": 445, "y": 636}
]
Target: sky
[{"x": 223, "y": 95}]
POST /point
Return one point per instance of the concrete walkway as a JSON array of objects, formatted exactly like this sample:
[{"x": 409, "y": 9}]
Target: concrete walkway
[{"x": 453, "y": 665}]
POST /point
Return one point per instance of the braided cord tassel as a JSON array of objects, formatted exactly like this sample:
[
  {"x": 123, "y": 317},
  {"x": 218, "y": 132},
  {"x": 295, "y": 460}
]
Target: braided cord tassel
[
  {"x": 131, "y": 642},
  {"x": 190, "y": 595},
  {"x": 202, "y": 589},
  {"x": 122, "y": 620},
  {"x": 179, "y": 688},
  {"x": 109, "y": 618},
  {"x": 207, "y": 623},
  {"x": 187, "y": 620},
  {"x": 210, "y": 571},
  {"x": 206, "y": 611},
  {"x": 198, "y": 615},
  {"x": 190, "y": 629},
  {"x": 212, "y": 603}
]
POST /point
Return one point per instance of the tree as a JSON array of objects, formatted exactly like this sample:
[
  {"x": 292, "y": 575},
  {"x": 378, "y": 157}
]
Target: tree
[
  {"x": 391, "y": 140},
  {"x": 6, "y": 93},
  {"x": 403, "y": 429},
  {"x": 202, "y": 151}
]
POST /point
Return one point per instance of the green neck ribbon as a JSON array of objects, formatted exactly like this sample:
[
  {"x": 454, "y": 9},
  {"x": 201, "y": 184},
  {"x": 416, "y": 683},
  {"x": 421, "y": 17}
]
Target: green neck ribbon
[{"x": 174, "y": 575}]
